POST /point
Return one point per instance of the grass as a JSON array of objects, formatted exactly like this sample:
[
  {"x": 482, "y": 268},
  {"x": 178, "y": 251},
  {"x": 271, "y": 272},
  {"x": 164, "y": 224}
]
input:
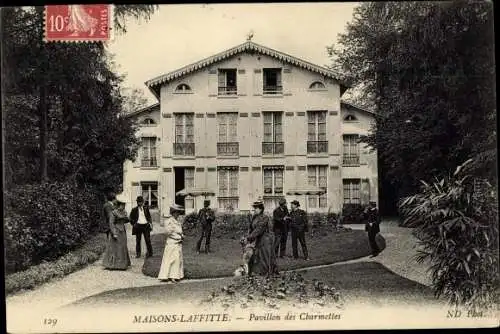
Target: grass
[
  {"x": 370, "y": 282},
  {"x": 44, "y": 272},
  {"x": 324, "y": 248}
]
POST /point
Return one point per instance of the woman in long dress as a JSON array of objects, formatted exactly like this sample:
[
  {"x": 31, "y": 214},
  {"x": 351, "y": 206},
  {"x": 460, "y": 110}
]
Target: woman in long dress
[
  {"x": 116, "y": 256},
  {"x": 172, "y": 265},
  {"x": 264, "y": 259}
]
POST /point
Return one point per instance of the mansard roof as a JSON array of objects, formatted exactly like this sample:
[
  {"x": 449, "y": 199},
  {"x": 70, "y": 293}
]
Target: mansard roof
[{"x": 249, "y": 46}]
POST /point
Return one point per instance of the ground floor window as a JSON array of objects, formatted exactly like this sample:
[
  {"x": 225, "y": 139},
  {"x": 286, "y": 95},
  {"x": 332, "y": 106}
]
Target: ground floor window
[
  {"x": 317, "y": 177},
  {"x": 149, "y": 191},
  {"x": 352, "y": 191},
  {"x": 227, "y": 180}
]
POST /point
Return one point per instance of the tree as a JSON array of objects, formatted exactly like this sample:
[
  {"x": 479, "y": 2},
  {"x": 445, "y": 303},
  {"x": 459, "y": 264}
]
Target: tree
[{"x": 429, "y": 67}]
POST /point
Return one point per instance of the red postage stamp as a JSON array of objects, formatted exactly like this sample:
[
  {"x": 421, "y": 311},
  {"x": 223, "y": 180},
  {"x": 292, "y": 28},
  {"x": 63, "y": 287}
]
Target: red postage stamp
[{"x": 78, "y": 23}]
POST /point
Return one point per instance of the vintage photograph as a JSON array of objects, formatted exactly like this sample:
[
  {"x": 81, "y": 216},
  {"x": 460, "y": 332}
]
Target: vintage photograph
[{"x": 250, "y": 166}]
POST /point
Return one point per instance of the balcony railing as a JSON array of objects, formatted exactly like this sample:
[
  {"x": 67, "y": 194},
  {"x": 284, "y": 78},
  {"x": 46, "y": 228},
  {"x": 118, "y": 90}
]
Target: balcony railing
[
  {"x": 228, "y": 204},
  {"x": 270, "y": 90},
  {"x": 229, "y": 90},
  {"x": 149, "y": 162},
  {"x": 350, "y": 160},
  {"x": 272, "y": 148},
  {"x": 184, "y": 149},
  {"x": 317, "y": 147},
  {"x": 228, "y": 149}
]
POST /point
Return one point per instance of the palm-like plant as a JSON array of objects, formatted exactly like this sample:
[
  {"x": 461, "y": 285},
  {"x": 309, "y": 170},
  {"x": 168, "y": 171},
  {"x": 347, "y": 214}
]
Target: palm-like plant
[{"x": 457, "y": 226}]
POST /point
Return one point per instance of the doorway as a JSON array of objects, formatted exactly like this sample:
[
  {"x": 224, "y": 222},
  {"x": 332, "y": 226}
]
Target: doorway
[{"x": 179, "y": 184}]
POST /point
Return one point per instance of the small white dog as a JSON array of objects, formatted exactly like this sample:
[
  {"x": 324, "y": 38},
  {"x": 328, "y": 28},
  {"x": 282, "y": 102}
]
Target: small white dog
[{"x": 248, "y": 251}]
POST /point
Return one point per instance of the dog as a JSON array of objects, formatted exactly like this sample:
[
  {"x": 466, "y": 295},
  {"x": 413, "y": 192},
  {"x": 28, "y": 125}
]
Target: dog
[{"x": 248, "y": 251}]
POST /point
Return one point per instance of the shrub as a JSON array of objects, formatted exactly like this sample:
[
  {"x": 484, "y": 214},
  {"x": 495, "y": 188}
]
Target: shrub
[
  {"x": 45, "y": 221},
  {"x": 353, "y": 213},
  {"x": 46, "y": 271},
  {"x": 457, "y": 228}
]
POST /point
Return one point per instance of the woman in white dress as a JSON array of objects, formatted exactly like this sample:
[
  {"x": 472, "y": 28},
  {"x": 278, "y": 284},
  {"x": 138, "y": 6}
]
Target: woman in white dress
[{"x": 172, "y": 266}]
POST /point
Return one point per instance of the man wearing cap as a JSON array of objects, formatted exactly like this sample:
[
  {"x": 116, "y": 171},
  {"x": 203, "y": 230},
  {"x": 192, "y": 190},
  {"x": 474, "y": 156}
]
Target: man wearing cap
[
  {"x": 299, "y": 227},
  {"x": 372, "y": 227},
  {"x": 140, "y": 218},
  {"x": 206, "y": 217},
  {"x": 280, "y": 228}
]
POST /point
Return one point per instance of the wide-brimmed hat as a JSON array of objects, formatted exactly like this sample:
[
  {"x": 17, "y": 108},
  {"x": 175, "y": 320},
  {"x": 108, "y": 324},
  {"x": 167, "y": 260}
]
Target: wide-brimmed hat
[
  {"x": 120, "y": 198},
  {"x": 176, "y": 207},
  {"x": 373, "y": 202},
  {"x": 295, "y": 202},
  {"x": 258, "y": 203}
]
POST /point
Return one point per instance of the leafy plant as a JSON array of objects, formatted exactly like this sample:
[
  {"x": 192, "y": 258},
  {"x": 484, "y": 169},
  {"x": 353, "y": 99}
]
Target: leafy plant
[{"x": 457, "y": 226}]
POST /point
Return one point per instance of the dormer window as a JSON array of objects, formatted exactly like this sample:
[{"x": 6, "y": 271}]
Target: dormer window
[
  {"x": 317, "y": 85},
  {"x": 272, "y": 81},
  {"x": 227, "y": 82},
  {"x": 350, "y": 118},
  {"x": 148, "y": 122},
  {"x": 182, "y": 88}
]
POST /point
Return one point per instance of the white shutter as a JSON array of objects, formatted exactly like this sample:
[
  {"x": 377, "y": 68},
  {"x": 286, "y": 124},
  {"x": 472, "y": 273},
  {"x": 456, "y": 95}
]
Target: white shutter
[
  {"x": 286, "y": 81},
  {"x": 136, "y": 191},
  {"x": 137, "y": 161},
  {"x": 158, "y": 155},
  {"x": 365, "y": 191},
  {"x": 242, "y": 82},
  {"x": 257, "y": 81},
  {"x": 212, "y": 82}
]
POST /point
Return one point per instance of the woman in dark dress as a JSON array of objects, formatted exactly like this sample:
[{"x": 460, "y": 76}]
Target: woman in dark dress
[
  {"x": 264, "y": 259},
  {"x": 116, "y": 256}
]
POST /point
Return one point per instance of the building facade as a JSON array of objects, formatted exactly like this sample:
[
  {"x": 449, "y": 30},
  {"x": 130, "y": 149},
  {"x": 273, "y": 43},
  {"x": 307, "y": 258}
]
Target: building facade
[{"x": 248, "y": 123}]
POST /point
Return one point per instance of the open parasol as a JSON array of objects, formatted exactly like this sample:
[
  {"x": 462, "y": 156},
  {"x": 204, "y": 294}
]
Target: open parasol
[{"x": 194, "y": 192}]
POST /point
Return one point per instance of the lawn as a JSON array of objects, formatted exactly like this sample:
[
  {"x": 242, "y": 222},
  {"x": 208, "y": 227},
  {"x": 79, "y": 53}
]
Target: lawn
[{"x": 324, "y": 248}]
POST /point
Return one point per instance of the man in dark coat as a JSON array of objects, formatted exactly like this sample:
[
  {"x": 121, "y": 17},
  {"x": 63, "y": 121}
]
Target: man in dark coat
[
  {"x": 142, "y": 224},
  {"x": 372, "y": 227},
  {"x": 299, "y": 227},
  {"x": 206, "y": 217},
  {"x": 280, "y": 228}
]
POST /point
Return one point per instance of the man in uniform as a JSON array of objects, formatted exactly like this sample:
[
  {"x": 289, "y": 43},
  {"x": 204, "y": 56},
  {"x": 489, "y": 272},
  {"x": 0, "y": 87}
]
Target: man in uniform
[
  {"x": 206, "y": 217},
  {"x": 299, "y": 227},
  {"x": 372, "y": 227},
  {"x": 280, "y": 227}
]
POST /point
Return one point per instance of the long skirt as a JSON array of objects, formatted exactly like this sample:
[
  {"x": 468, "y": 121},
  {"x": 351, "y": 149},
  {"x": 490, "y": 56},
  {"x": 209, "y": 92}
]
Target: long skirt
[
  {"x": 116, "y": 255},
  {"x": 172, "y": 264},
  {"x": 264, "y": 260}
]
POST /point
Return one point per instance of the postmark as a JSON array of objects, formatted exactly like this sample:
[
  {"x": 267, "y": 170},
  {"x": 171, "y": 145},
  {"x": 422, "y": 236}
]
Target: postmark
[{"x": 78, "y": 23}]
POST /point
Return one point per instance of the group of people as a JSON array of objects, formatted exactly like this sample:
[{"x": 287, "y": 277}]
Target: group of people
[{"x": 263, "y": 243}]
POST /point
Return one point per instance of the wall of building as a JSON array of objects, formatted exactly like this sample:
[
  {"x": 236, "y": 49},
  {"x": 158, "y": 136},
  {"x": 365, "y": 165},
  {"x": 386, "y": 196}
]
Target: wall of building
[{"x": 296, "y": 100}]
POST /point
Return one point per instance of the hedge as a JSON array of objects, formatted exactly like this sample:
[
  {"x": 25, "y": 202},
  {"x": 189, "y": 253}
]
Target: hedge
[
  {"x": 36, "y": 275},
  {"x": 45, "y": 221}
]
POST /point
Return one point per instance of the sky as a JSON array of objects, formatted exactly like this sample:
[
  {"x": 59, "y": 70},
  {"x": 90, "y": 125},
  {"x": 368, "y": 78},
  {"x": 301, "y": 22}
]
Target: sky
[{"x": 178, "y": 35}]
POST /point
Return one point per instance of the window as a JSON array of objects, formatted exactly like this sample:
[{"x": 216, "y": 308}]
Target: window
[
  {"x": 150, "y": 193},
  {"x": 317, "y": 85},
  {"x": 184, "y": 134},
  {"x": 148, "y": 158},
  {"x": 273, "y": 133},
  {"x": 228, "y": 188},
  {"x": 352, "y": 191},
  {"x": 317, "y": 178},
  {"x": 272, "y": 81},
  {"x": 351, "y": 150},
  {"x": 228, "y": 134},
  {"x": 189, "y": 183},
  {"x": 182, "y": 88},
  {"x": 316, "y": 132},
  {"x": 148, "y": 121},
  {"x": 227, "y": 82},
  {"x": 350, "y": 118},
  {"x": 273, "y": 180}
]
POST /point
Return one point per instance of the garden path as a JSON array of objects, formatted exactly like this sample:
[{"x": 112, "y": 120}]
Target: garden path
[{"x": 397, "y": 257}]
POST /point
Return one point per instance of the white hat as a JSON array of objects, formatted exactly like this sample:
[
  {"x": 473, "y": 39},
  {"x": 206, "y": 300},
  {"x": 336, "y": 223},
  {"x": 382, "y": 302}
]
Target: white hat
[{"x": 121, "y": 198}]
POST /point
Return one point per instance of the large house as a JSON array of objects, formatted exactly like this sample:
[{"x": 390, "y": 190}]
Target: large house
[{"x": 252, "y": 122}]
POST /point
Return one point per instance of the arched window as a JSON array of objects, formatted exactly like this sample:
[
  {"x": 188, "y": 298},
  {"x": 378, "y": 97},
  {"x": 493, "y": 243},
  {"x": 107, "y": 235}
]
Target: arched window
[
  {"x": 183, "y": 88},
  {"x": 148, "y": 121},
  {"x": 350, "y": 118},
  {"x": 317, "y": 85}
]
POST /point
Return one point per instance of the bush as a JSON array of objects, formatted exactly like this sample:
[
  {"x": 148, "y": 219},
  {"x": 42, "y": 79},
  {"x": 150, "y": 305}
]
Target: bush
[
  {"x": 45, "y": 221},
  {"x": 46, "y": 271},
  {"x": 353, "y": 213},
  {"x": 457, "y": 228}
]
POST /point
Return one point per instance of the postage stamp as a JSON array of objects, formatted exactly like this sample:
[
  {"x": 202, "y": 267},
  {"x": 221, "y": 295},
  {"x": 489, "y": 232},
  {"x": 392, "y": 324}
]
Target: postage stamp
[{"x": 78, "y": 23}]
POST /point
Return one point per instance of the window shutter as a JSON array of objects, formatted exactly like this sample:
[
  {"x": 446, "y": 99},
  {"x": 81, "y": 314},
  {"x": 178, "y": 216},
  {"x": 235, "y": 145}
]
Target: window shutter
[
  {"x": 363, "y": 153},
  {"x": 138, "y": 157},
  {"x": 136, "y": 191},
  {"x": 212, "y": 83},
  {"x": 365, "y": 191},
  {"x": 286, "y": 81},
  {"x": 222, "y": 78},
  {"x": 241, "y": 78},
  {"x": 257, "y": 81},
  {"x": 157, "y": 148}
]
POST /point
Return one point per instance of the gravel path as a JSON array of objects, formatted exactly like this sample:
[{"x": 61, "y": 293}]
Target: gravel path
[{"x": 397, "y": 257}]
